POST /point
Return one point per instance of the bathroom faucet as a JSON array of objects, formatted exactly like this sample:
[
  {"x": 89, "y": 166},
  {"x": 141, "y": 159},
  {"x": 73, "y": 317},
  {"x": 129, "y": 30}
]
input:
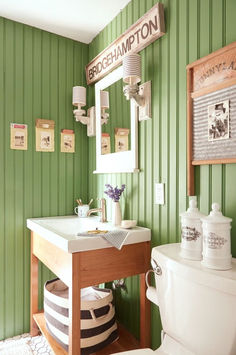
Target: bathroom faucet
[{"x": 101, "y": 209}]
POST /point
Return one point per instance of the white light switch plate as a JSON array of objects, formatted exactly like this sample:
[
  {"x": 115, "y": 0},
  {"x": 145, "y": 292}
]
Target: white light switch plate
[{"x": 159, "y": 194}]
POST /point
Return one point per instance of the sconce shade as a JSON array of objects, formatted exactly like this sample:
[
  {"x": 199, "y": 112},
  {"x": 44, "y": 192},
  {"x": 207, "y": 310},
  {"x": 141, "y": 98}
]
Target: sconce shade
[
  {"x": 104, "y": 99},
  {"x": 79, "y": 96},
  {"x": 132, "y": 69}
]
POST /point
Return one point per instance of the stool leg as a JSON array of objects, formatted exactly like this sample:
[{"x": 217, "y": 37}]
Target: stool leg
[
  {"x": 33, "y": 290},
  {"x": 74, "y": 311}
]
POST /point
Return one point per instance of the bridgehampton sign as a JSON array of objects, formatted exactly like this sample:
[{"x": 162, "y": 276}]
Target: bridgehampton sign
[{"x": 143, "y": 32}]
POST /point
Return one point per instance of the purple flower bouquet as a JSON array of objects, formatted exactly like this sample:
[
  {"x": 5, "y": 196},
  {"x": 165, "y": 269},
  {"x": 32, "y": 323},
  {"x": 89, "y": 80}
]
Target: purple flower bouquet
[{"x": 114, "y": 193}]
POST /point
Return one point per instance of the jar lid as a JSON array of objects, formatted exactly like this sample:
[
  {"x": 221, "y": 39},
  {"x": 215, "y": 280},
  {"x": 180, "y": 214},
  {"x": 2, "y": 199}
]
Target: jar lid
[
  {"x": 192, "y": 211},
  {"x": 216, "y": 216}
]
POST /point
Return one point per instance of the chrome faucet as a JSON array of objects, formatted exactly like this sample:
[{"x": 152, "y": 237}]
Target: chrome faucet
[{"x": 101, "y": 209}]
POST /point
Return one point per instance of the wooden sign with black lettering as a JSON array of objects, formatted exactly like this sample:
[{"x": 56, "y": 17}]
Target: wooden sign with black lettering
[{"x": 143, "y": 32}]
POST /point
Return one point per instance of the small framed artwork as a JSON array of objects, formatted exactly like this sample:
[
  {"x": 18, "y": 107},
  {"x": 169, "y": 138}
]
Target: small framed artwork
[
  {"x": 19, "y": 136},
  {"x": 106, "y": 143},
  {"x": 218, "y": 121},
  {"x": 121, "y": 139},
  {"x": 67, "y": 141},
  {"x": 44, "y": 135}
]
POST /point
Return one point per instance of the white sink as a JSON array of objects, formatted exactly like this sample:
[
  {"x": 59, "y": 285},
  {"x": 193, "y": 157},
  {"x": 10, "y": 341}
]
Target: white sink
[{"x": 63, "y": 232}]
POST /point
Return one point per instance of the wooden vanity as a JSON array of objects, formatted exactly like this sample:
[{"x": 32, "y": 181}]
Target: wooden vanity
[{"x": 86, "y": 268}]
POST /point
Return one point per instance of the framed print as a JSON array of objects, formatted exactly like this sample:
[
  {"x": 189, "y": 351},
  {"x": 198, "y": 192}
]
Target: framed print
[
  {"x": 44, "y": 135},
  {"x": 106, "y": 143},
  {"x": 67, "y": 141},
  {"x": 19, "y": 136},
  {"x": 121, "y": 139}
]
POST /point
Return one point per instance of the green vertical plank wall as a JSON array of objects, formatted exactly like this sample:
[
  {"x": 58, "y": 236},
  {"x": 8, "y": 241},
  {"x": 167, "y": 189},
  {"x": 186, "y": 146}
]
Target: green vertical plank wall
[
  {"x": 194, "y": 28},
  {"x": 37, "y": 72}
]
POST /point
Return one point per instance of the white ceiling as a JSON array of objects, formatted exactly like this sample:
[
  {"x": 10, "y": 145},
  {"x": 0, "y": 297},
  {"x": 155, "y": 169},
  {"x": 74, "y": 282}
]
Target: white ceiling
[{"x": 81, "y": 20}]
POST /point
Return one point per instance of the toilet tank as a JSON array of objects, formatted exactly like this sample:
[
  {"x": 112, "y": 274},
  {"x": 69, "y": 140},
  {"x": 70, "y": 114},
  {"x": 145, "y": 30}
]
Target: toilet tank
[{"x": 197, "y": 305}]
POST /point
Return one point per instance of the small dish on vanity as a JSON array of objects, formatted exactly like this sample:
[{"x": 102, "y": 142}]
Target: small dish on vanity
[{"x": 128, "y": 223}]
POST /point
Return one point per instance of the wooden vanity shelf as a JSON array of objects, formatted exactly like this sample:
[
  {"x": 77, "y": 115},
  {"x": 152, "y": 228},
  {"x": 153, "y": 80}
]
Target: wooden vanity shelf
[
  {"x": 40, "y": 321},
  {"x": 125, "y": 342},
  {"x": 86, "y": 268}
]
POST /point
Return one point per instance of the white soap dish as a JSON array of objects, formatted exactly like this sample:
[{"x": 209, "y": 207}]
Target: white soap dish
[{"x": 129, "y": 223}]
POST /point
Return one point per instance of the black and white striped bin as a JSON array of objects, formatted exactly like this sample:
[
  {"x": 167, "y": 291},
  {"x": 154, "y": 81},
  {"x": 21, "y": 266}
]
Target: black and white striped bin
[{"x": 98, "y": 324}]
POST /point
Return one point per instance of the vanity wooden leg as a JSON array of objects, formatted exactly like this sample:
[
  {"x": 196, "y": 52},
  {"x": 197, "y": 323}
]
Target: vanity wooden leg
[
  {"x": 34, "y": 330},
  {"x": 145, "y": 315},
  {"x": 74, "y": 311}
]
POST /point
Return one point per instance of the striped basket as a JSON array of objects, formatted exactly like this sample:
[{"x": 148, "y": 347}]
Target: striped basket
[{"x": 98, "y": 324}]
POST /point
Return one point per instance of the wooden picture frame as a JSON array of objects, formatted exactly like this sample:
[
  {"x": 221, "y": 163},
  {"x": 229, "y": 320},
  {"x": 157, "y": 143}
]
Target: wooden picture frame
[
  {"x": 44, "y": 130},
  {"x": 211, "y": 80}
]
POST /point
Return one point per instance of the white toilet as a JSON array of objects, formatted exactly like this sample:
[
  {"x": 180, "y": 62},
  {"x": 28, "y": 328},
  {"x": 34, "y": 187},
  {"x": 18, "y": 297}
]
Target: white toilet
[{"x": 197, "y": 306}]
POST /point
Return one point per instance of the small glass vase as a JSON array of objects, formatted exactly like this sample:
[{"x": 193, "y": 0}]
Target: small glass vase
[{"x": 116, "y": 213}]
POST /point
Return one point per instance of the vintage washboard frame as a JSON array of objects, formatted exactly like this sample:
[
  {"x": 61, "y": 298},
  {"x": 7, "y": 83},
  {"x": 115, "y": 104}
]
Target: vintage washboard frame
[{"x": 210, "y": 81}]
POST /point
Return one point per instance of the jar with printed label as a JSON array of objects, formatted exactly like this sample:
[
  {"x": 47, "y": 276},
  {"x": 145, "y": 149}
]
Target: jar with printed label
[
  {"x": 216, "y": 240},
  {"x": 191, "y": 232}
]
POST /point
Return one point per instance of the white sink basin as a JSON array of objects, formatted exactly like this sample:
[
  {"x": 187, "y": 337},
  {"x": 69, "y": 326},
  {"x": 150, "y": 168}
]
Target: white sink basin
[{"x": 63, "y": 232}]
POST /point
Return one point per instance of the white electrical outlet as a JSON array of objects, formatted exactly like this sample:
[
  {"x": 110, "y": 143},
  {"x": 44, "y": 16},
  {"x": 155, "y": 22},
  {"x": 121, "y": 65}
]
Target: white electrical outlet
[{"x": 159, "y": 194}]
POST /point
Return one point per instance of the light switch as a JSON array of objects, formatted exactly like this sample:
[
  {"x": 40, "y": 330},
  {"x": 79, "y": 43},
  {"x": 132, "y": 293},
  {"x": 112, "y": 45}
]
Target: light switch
[{"x": 159, "y": 194}]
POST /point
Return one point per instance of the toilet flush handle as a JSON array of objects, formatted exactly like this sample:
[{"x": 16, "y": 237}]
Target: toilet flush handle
[
  {"x": 156, "y": 268},
  {"x": 151, "y": 292}
]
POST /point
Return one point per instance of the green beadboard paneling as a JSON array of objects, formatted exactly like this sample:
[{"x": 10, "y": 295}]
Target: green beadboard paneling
[
  {"x": 194, "y": 28},
  {"x": 37, "y": 72}
]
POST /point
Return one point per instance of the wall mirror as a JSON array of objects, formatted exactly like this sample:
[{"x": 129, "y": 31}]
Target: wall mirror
[{"x": 116, "y": 141}]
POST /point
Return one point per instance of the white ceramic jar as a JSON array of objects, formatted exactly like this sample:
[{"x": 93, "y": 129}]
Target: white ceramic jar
[
  {"x": 191, "y": 232},
  {"x": 216, "y": 240}
]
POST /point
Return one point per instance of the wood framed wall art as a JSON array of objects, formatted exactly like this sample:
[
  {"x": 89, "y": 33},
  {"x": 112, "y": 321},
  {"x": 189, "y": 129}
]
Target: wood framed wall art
[
  {"x": 44, "y": 135},
  {"x": 211, "y": 110}
]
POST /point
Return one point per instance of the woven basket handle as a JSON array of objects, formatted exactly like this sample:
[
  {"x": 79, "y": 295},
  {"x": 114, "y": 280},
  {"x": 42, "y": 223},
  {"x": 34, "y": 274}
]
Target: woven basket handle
[{"x": 105, "y": 315}]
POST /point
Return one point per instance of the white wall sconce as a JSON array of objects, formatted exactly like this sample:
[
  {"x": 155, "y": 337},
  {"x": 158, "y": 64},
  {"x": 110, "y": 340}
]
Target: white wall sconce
[
  {"x": 79, "y": 100},
  {"x": 104, "y": 106},
  {"x": 141, "y": 94}
]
